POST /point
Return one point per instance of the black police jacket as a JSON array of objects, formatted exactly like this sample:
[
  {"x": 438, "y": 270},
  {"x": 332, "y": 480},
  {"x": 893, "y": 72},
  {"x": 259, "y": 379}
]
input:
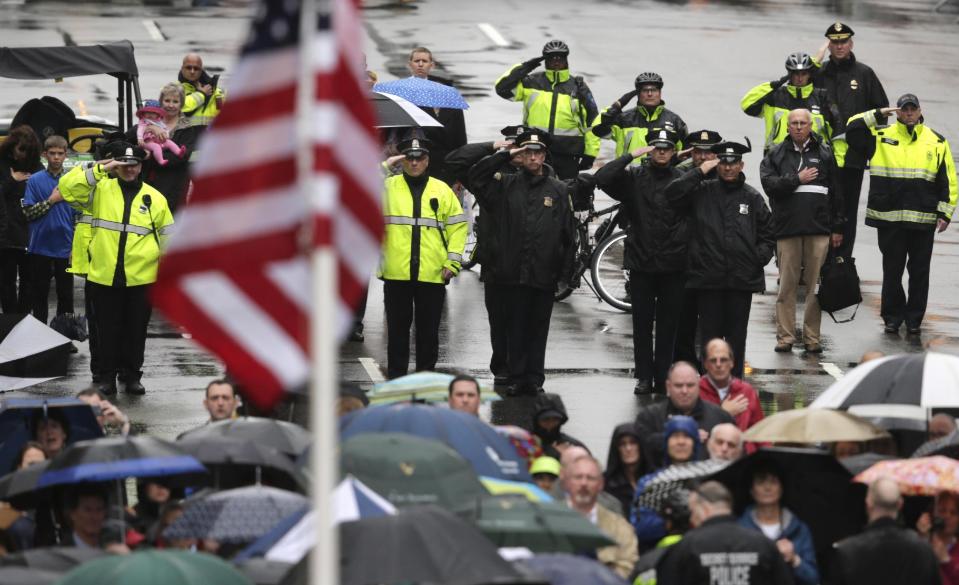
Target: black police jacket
[
  {"x": 884, "y": 554},
  {"x": 656, "y": 237},
  {"x": 722, "y": 551},
  {"x": 531, "y": 218},
  {"x": 730, "y": 232},
  {"x": 802, "y": 210}
]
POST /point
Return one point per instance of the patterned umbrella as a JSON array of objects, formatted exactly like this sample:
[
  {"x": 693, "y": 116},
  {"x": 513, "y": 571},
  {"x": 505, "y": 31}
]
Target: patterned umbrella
[
  {"x": 674, "y": 478},
  {"x": 923, "y": 476},
  {"x": 420, "y": 387},
  {"x": 239, "y": 515},
  {"x": 423, "y": 92}
]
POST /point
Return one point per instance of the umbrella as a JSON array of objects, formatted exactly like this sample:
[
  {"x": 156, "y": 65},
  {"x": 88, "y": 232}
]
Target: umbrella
[
  {"x": 16, "y": 423},
  {"x": 395, "y": 112},
  {"x": 675, "y": 477},
  {"x": 419, "y": 387},
  {"x": 948, "y": 446},
  {"x": 502, "y": 487},
  {"x": 425, "y": 545},
  {"x": 514, "y": 521},
  {"x": 927, "y": 380},
  {"x": 30, "y": 352},
  {"x": 14, "y": 575},
  {"x": 237, "y": 515},
  {"x": 923, "y": 476},
  {"x": 858, "y": 463},
  {"x": 287, "y": 438},
  {"x": 565, "y": 569},
  {"x": 423, "y": 92},
  {"x": 263, "y": 571},
  {"x": 490, "y": 454},
  {"x": 156, "y": 567},
  {"x": 805, "y": 425},
  {"x": 58, "y": 559},
  {"x": 816, "y": 487},
  {"x": 18, "y": 487},
  {"x": 235, "y": 462},
  {"x": 527, "y": 445},
  {"x": 410, "y": 471}
]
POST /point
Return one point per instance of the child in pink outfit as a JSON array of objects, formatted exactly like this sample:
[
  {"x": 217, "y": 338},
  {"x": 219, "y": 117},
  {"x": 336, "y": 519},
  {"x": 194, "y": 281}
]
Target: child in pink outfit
[{"x": 152, "y": 133}]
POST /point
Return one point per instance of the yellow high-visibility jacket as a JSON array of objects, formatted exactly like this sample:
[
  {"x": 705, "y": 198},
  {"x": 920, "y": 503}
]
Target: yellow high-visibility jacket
[
  {"x": 773, "y": 103},
  {"x": 200, "y": 109}
]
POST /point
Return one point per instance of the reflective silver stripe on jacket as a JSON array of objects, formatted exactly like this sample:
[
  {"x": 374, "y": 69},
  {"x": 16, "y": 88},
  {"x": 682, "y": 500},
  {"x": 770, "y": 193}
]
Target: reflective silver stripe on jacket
[
  {"x": 460, "y": 218},
  {"x": 91, "y": 178},
  {"x": 120, "y": 227},
  {"x": 166, "y": 230},
  {"x": 812, "y": 189},
  {"x": 401, "y": 220},
  {"x": 454, "y": 257},
  {"x": 85, "y": 219}
]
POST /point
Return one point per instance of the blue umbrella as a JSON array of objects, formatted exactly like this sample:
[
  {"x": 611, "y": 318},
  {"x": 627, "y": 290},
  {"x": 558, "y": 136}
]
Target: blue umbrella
[
  {"x": 423, "y": 92},
  {"x": 489, "y": 453},
  {"x": 16, "y": 423},
  {"x": 566, "y": 569}
]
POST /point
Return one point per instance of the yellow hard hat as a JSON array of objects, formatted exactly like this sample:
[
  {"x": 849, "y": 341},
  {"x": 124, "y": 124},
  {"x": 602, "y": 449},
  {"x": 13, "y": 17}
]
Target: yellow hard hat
[{"x": 545, "y": 464}]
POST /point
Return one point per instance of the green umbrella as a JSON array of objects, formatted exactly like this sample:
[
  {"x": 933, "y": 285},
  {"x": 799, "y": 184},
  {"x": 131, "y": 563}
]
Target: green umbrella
[
  {"x": 421, "y": 387},
  {"x": 156, "y": 567},
  {"x": 409, "y": 470},
  {"x": 515, "y": 521}
]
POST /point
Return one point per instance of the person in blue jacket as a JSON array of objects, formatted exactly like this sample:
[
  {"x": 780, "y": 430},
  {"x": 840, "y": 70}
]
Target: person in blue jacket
[
  {"x": 682, "y": 445},
  {"x": 791, "y": 535}
]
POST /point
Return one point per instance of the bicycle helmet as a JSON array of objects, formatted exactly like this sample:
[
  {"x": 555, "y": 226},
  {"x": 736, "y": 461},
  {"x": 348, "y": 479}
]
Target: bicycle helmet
[
  {"x": 799, "y": 62},
  {"x": 555, "y": 47},
  {"x": 649, "y": 78}
]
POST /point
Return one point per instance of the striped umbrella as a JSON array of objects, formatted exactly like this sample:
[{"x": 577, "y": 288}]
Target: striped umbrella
[
  {"x": 923, "y": 476},
  {"x": 921, "y": 381}
]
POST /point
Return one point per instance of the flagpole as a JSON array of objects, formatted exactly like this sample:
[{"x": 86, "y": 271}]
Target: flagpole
[{"x": 324, "y": 563}]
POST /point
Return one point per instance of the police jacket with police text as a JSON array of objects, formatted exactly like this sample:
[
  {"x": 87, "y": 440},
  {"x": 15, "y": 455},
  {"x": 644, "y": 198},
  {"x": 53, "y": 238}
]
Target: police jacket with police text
[
  {"x": 772, "y": 102},
  {"x": 629, "y": 129},
  {"x": 730, "y": 232},
  {"x": 125, "y": 233},
  {"x": 814, "y": 208},
  {"x": 532, "y": 219},
  {"x": 657, "y": 237},
  {"x": 413, "y": 247},
  {"x": 555, "y": 101},
  {"x": 884, "y": 554},
  {"x": 912, "y": 176},
  {"x": 721, "y": 551}
]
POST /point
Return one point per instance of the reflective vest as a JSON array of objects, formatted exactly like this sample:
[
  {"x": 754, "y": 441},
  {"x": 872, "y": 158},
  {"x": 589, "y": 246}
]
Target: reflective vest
[
  {"x": 774, "y": 104},
  {"x": 92, "y": 191},
  {"x": 197, "y": 107},
  {"x": 80, "y": 252},
  {"x": 631, "y": 127},
  {"x": 403, "y": 228},
  {"x": 912, "y": 177},
  {"x": 553, "y": 101}
]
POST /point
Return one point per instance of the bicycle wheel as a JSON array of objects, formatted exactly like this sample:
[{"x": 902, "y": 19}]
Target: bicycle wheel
[
  {"x": 610, "y": 277},
  {"x": 469, "y": 253},
  {"x": 571, "y": 276}
]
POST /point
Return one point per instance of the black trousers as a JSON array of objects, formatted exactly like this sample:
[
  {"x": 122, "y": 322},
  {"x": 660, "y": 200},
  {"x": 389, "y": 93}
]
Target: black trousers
[
  {"x": 905, "y": 249},
  {"x": 407, "y": 302},
  {"x": 92, "y": 338},
  {"x": 41, "y": 269},
  {"x": 498, "y": 331},
  {"x": 656, "y": 298},
  {"x": 13, "y": 266},
  {"x": 851, "y": 181},
  {"x": 686, "y": 339},
  {"x": 725, "y": 314},
  {"x": 121, "y": 315},
  {"x": 528, "y": 311},
  {"x": 565, "y": 165}
]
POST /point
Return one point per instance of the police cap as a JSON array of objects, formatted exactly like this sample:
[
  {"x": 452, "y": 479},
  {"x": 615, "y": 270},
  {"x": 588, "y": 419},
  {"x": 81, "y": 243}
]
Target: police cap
[
  {"x": 126, "y": 153},
  {"x": 512, "y": 132},
  {"x": 661, "y": 138},
  {"x": 534, "y": 139},
  {"x": 839, "y": 32},
  {"x": 730, "y": 152},
  {"x": 907, "y": 99},
  {"x": 415, "y": 147},
  {"x": 703, "y": 139}
]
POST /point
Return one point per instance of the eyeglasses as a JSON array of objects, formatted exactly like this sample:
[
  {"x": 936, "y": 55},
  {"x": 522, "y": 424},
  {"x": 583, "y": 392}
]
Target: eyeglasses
[{"x": 192, "y": 67}]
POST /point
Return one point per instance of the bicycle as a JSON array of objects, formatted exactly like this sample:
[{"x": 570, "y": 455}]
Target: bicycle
[{"x": 603, "y": 253}]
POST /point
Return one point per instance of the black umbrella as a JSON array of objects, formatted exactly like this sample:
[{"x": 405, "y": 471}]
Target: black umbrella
[
  {"x": 18, "y": 417},
  {"x": 856, "y": 464},
  {"x": 287, "y": 438},
  {"x": 395, "y": 112},
  {"x": 57, "y": 559},
  {"x": 235, "y": 462},
  {"x": 816, "y": 487},
  {"x": 14, "y": 575},
  {"x": 425, "y": 545},
  {"x": 18, "y": 488},
  {"x": 264, "y": 572}
]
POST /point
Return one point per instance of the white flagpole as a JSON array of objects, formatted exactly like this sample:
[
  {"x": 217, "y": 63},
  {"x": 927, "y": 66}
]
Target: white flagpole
[{"x": 324, "y": 563}]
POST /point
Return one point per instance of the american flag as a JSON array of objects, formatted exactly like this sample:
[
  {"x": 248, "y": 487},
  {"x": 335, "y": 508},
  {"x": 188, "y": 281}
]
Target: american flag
[{"x": 236, "y": 274}]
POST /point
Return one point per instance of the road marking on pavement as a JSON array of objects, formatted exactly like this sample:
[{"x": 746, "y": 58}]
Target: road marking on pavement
[
  {"x": 154, "y": 30},
  {"x": 832, "y": 369},
  {"x": 372, "y": 369},
  {"x": 493, "y": 34}
]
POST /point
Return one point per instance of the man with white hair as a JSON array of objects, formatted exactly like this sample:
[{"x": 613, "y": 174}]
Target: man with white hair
[{"x": 725, "y": 442}]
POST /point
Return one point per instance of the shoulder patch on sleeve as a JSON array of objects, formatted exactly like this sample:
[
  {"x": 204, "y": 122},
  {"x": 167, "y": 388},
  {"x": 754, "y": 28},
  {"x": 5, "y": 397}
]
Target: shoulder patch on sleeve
[{"x": 498, "y": 176}]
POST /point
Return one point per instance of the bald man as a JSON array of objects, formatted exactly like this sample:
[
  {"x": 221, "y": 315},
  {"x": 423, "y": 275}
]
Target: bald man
[
  {"x": 941, "y": 425},
  {"x": 202, "y": 96},
  {"x": 719, "y": 386},
  {"x": 725, "y": 442},
  {"x": 884, "y": 553}
]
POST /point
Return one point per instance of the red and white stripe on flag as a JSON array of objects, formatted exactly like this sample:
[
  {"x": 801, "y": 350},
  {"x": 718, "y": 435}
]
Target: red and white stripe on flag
[{"x": 236, "y": 274}]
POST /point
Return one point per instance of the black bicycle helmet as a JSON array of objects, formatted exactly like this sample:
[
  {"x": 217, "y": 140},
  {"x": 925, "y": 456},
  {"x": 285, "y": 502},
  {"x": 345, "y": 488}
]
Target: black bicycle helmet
[
  {"x": 555, "y": 47},
  {"x": 799, "y": 62},
  {"x": 649, "y": 78}
]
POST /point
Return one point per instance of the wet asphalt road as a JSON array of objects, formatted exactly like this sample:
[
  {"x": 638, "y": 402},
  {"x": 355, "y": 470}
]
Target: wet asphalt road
[{"x": 709, "y": 53}]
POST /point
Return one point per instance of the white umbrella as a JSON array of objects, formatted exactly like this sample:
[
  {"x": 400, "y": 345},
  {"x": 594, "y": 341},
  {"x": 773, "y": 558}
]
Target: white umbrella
[{"x": 30, "y": 352}]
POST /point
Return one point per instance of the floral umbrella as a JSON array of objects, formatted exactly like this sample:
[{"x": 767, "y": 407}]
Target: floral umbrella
[{"x": 923, "y": 476}]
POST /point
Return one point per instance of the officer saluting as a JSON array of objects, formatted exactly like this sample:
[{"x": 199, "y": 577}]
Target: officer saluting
[
  {"x": 422, "y": 250},
  {"x": 731, "y": 240},
  {"x": 129, "y": 222},
  {"x": 530, "y": 213}
]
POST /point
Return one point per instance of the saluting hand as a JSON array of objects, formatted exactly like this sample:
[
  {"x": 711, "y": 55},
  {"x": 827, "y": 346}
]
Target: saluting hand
[
  {"x": 684, "y": 154},
  {"x": 515, "y": 151},
  {"x": 395, "y": 159},
  {"x": 887, "y": 111},
  {"x": 808, "y": 175},
  {"x": 708, "y": 166},
  {"x": 642, "y": 151}
]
